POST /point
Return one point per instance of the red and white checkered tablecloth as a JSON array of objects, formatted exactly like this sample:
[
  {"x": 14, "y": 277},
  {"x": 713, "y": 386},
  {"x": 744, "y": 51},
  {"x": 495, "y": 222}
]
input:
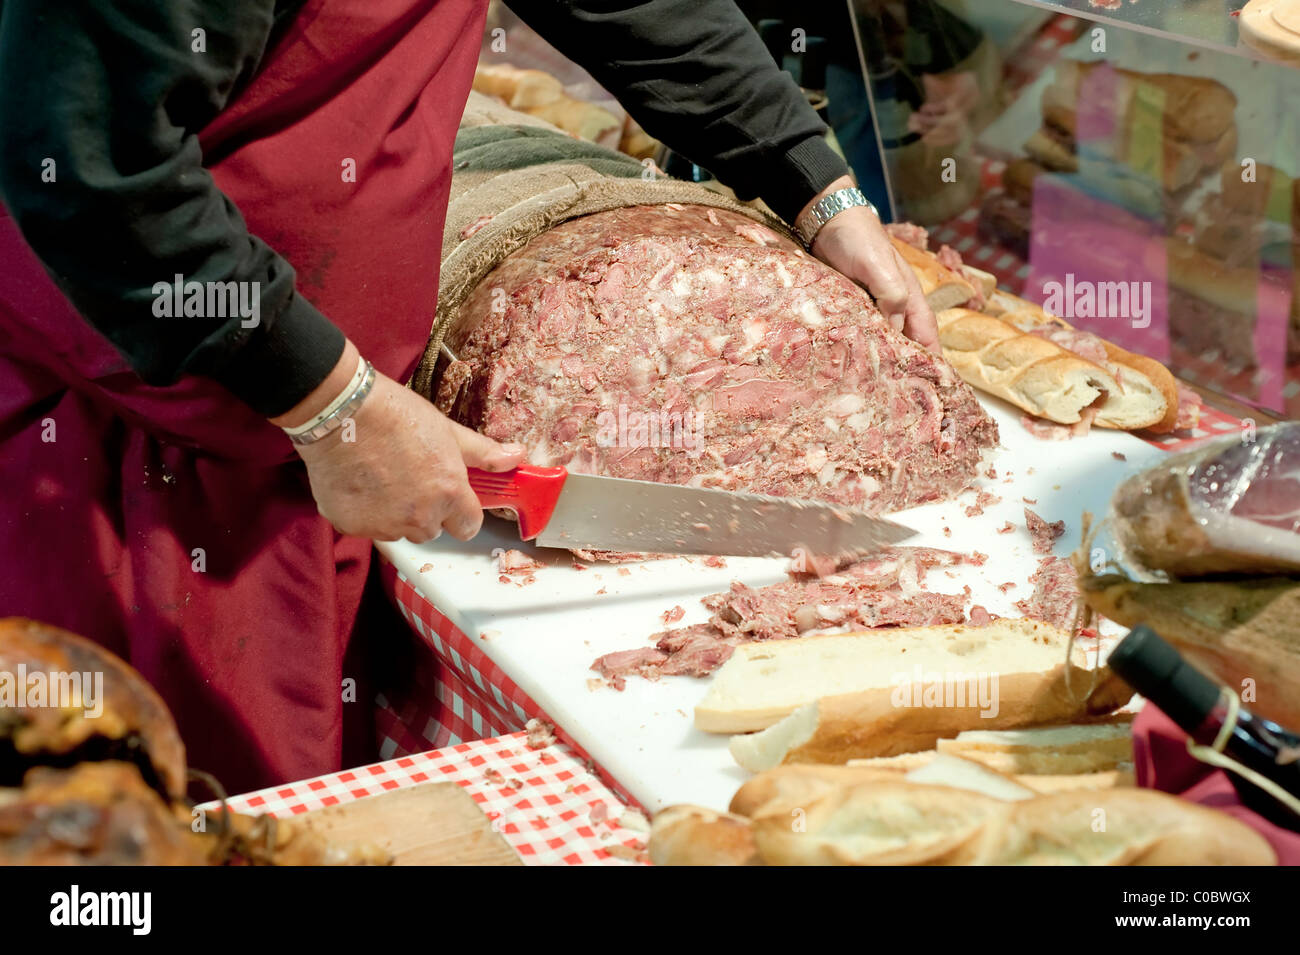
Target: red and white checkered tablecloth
[{"x": 546, "y": 802}]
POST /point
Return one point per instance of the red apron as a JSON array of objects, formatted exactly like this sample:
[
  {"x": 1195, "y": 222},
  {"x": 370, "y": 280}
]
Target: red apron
[{"x": 174, "y": 525}]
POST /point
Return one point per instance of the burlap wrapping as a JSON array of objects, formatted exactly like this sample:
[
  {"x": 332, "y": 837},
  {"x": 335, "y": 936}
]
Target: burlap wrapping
[{"x": 528, "y": 177}]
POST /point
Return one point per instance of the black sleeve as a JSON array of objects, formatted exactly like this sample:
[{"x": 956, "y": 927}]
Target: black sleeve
[
  {"x": 114, "y": 94},
  {"x": 695, "y": 75}
]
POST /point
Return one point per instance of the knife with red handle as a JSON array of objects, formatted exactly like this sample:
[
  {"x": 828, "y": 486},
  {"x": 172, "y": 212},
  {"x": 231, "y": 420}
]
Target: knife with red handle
[{"x": 558, "y": 508}]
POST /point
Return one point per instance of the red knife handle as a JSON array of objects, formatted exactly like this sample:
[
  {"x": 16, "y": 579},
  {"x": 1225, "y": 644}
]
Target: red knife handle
[{"x": 531, "y": 492}]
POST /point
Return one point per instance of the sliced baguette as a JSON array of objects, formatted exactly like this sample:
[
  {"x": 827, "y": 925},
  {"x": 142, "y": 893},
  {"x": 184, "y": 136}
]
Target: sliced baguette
[
  {"x": 1147, "y": 394},
  {"x": 942, "y": 287},
  {"x": 765, "y": 682},
  {"x": 1029, "y": 371},
  {"x": 1050, "y": 750}
]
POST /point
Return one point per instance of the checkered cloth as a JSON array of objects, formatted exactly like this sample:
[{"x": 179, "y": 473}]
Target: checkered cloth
[{"x": 546, "y": 803}]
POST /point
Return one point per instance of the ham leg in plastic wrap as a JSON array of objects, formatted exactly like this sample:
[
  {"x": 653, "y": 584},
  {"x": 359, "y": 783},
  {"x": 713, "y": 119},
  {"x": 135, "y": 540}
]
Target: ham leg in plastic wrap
[{"x": 1231, "y": 506}]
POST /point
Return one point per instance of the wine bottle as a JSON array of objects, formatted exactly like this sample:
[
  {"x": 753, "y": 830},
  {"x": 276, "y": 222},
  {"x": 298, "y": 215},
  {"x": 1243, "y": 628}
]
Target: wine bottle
[{"x": 1193, "y": 701}]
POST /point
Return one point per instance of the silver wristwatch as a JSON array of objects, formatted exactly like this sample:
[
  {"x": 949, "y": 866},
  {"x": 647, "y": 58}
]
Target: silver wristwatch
[{"x": 810, "y": 223}]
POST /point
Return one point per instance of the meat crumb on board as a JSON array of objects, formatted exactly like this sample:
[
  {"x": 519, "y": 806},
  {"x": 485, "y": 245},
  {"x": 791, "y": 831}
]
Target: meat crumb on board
[
  {"x": 1042, "y": 533},
  {"x": 983, "y": 499},
  {"x": 425, "y": 568},
  {"x": 673, "y": 615},
  {"x": 1119, "y": 455},
  {"x": 540, "y": 733},
  {"x": 1006, "y": 528},
  {"x": 1009, "y": 586},
  {"x": 977, "y": 558},
  {"x": 1030, "y": 500},
  {"x": 713, "y": 560},
  {"x": 516, "y": 563}
]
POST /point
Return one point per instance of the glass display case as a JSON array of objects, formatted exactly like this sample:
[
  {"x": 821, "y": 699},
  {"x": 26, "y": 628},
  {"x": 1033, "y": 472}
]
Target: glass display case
[{"x": 1128, "y": 165}]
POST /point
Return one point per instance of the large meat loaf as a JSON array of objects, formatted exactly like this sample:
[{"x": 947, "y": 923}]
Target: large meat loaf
[{"x": 692, "y": 345}]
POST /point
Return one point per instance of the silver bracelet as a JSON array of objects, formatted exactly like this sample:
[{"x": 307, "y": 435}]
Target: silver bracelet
[
  {"x": 827, "y": 208},
  {"x": 319, "y": 427}
]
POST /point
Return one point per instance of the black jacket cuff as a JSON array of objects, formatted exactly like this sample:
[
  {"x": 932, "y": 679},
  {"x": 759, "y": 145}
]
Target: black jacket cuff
[
  {"x": 807, "y": 167},
  {"x": 279, "y": 363}
]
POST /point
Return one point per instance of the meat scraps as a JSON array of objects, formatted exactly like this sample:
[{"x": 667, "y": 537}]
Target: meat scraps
[
  {"x": 884, "y": 591},
  {"x": 1041, "y": 533},
  {"x": 693, "y": 346},
  {"x": 1055, "y": 591}
]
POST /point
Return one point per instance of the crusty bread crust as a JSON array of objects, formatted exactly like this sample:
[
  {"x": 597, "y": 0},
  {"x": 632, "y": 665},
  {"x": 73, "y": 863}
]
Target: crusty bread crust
[
  {"x": 863, "y": 725},
  {"x": 693, "y": 835}
]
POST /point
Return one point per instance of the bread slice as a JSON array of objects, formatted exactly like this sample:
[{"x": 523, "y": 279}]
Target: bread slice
[
  {"x": 766, "y": 681},
  {"x": 888, "y": 716},
  {"x": 942, "y": 287},
  {"x": 1049, "y": 750},
  {"x": 899, "y": 767},
  {"x": 1107, "y": 779}
]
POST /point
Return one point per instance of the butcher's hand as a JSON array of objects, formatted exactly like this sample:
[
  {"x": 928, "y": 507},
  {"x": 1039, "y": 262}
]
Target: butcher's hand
[
  {"x": 855, "y": 243},
  {"x": 402, "y": 474}
]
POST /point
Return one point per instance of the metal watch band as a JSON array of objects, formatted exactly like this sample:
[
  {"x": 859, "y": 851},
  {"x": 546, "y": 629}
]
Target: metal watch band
[
  {"x": 334, "y": 420},
  {"x": 825, "y": 209}
]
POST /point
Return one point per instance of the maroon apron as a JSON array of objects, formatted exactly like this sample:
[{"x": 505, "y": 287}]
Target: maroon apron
[{"x": 174, "y": 525}]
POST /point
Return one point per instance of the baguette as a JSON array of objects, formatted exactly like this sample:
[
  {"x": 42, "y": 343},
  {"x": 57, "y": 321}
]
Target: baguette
[
  {"x": 765, "y": 682},
  {"x": 942, "y": 287},
  {"x": 1145, "y": 396},
  {"x": 693, "y": 835},
  {"x": 1029, "y": 371},
  {"x": 903, "y": 823}
]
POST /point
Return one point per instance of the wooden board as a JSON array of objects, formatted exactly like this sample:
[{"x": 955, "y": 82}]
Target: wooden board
[{"x": 429, "y": 824}]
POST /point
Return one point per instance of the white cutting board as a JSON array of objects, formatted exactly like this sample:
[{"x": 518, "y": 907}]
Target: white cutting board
[{"x": 545, "y": 635}]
